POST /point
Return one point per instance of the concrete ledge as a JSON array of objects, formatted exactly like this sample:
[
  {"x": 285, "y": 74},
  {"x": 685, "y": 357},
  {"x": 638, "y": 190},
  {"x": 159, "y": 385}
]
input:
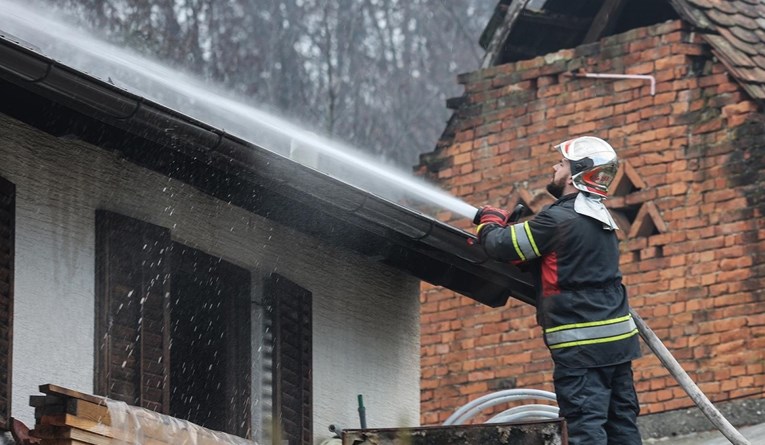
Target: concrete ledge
[{"x": 692, "y": 420}]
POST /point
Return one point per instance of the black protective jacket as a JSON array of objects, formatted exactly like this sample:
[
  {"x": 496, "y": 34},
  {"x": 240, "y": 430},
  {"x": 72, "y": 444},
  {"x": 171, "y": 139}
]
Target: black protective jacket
[{"x": 581, "y": 302}]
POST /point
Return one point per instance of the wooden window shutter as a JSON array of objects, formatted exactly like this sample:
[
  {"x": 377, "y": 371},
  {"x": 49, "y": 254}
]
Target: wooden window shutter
[
  {"x": 210, "y": 358},
  {"x": 289, "y": 306},
  {"x": 132, "y": 311},
  {"x": 7, "y": 254}
]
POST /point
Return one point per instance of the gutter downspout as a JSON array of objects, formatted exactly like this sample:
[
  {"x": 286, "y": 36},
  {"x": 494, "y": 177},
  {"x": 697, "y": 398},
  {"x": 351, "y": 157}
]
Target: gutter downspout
[{"x": 652, "y": 79}]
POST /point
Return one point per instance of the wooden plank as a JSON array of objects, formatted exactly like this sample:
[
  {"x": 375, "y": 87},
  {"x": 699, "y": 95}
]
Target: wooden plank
[
  {"x": 49, "y": 410},
  {"x": 89, "y": 411},
  {"x": 76, "y": 422},
  {"x": 37, "y": 401},
  {"x": 69, "y": 422},
  {"x": 61, "y": 391},
  {"x": 49, "y": 433},
  {"x": 53, "y": 432},
  {"x": 91, "y": 414},
  {"x": 502, "y": 32},
  {"x": 62, "y": 442}
]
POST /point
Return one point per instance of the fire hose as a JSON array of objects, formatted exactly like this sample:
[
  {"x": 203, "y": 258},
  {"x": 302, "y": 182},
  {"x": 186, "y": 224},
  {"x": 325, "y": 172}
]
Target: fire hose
[{"x": 693, "y": 391}]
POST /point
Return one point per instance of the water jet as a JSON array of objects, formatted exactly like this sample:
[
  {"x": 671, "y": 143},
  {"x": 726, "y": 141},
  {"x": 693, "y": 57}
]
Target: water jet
[{"x": 211, "y": 104}]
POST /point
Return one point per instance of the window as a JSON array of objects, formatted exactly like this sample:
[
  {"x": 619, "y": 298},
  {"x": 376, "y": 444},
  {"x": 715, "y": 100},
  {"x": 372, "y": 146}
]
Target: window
[
  {"x": 173, "y": 329},
  {"x": 7, "y": 236}
]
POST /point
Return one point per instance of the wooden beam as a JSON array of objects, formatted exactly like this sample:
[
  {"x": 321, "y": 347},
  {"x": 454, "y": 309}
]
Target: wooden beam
[
  {"x": 605, "y": 20},
  {"x": 62, "y": 393},
  {"x": 559, "y": 21},
  {"x": 502, "y": 32}
]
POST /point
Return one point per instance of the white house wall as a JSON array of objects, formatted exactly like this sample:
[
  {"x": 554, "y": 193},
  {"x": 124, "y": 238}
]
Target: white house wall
[{"x": 365, "y": 322}]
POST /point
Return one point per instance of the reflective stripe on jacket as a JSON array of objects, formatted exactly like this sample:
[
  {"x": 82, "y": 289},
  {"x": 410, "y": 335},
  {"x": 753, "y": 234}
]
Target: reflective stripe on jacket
[
  {"x": 523, "y": 241},
  {"x": 578, "y": 334}
]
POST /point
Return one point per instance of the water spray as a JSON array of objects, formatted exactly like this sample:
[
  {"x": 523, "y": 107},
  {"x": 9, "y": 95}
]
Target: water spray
[{"x": 192, "y": 96}]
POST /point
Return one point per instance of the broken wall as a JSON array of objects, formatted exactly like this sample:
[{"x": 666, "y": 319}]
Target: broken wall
[{"x": 688, "y": 198}]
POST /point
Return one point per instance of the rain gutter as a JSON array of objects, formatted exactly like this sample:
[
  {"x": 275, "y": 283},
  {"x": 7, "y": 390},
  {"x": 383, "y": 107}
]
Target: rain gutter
[{"x": 420, "y": 244}]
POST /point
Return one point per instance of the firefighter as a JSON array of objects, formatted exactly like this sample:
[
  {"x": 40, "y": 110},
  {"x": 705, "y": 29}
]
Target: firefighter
[{"x": 571, "y": 250}]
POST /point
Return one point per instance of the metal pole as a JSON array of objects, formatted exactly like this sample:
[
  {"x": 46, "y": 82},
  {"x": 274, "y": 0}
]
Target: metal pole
[
  {"x": 362, "y": 412},
  {"x": 693, "y": 391}
]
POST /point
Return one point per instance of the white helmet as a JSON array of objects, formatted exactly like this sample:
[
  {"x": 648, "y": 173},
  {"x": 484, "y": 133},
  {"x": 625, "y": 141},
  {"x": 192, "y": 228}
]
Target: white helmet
[{"x": 593, "y": 163}]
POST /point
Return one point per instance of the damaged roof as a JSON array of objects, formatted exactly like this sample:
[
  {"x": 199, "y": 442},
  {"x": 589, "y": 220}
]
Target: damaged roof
[
  {"x": 524, "y": 29},
  {"x": 65, "y": 102},
  {"x": 736, "y": 31}
]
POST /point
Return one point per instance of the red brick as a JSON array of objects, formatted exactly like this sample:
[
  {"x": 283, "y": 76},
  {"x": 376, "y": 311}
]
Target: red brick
[{"x": 697, "y": 283}]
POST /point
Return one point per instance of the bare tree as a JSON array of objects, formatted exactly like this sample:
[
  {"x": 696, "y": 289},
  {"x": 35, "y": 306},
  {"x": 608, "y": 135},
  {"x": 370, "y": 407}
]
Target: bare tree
[{"x": 373, "y": 73}]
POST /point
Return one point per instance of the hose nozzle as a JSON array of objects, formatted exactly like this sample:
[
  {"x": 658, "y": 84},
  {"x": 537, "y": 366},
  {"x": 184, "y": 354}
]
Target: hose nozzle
[{"x": 518, "y": 211}]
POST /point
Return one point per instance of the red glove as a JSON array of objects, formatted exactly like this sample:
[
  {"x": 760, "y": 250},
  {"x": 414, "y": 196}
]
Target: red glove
[
  {"x": 491, "y": 215},
  {"x": 489, "y": 218}
]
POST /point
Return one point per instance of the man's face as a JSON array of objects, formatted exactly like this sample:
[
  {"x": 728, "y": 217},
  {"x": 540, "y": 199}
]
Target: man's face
[{"x": 561, "y": 176}]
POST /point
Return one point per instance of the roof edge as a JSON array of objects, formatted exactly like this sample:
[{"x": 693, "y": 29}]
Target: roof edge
[{"x": 472, "y": 273}]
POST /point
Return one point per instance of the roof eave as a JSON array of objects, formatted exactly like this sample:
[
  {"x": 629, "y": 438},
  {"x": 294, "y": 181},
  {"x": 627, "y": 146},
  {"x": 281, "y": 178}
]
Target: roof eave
[{"x": 420, "y": 245}]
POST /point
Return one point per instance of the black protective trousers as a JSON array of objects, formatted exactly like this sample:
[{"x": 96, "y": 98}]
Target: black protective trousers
[{"x": 599, "y": 404}]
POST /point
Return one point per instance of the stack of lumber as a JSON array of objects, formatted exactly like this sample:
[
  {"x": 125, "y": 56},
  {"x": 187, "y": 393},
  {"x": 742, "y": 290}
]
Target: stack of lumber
[{"x": 67, "y": 417}]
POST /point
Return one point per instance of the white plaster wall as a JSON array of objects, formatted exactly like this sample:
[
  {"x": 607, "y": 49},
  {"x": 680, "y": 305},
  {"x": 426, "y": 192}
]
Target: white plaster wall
[{"x": 366, "y": 326}]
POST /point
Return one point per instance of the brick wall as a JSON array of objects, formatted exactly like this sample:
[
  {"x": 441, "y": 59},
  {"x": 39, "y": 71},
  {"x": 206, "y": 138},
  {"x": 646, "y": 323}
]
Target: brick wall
[{"x": 689, "y": 198}]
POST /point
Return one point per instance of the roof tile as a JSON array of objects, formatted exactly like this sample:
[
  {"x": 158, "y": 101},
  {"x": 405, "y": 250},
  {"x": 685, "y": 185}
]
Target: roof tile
[
  {"x": 737, "y": 37},
  {"x": 747, "y": 22},
  {"x": 751, "y": 11},
  {"x": 745, "y": 35},
  {"x": 737, "y": 43},
  {"x": 702, "y": 3},
  {"x": 758, "y": 90},
  {"x": 722, "y": 18},
  {"x": 724, "y": 6},
  {"x": 759, "y": 60},
  {"x": 738, "y": 58},
  {"x": 756, "y": 75},
  {"x": 732, "y": 69}
]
